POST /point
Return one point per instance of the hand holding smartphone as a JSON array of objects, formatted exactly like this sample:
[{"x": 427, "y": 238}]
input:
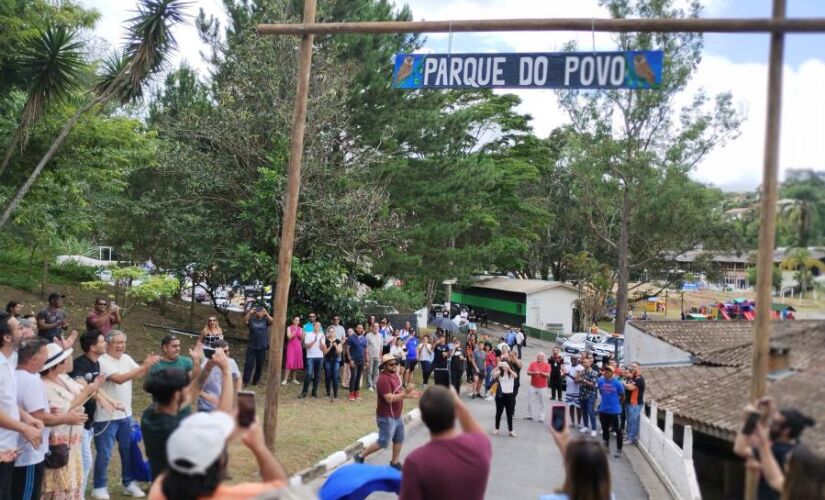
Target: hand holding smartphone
[
  {"x": 558, "y": 417},
  {"x": 246, "y": 408}
]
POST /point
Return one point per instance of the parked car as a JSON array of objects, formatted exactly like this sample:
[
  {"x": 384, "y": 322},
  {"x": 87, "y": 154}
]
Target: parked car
[
  {"x": 593, "y": 339},
  {"x": 608, "y": 347},
  {"x": 575, "y": 344}
]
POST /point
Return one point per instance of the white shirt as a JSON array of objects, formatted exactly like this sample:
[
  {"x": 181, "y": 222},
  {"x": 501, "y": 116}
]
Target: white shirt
[
  {"x": 374, "y": 345},
  {"x": 121, "y": 393},
  {"x": 31, "y": 396},
  {"x": 572, "y": 373},
  {"x": 398, "y": 351},
  {"x": 506, "y": 383},
  {"x": 314, "y": 349},
  {"x": 8, "y": 400},
  {"x": 426, "y": 352}
]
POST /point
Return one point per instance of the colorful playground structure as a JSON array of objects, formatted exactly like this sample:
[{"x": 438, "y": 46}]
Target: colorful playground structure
[{"x": 738, "y": 309}]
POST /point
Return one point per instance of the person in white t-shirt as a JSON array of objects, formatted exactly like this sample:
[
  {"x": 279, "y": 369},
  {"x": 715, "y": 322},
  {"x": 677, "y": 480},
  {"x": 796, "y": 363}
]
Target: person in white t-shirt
[
  {"x": 572, "y": 372},
  {"x": 120, "y": 369},
  {"x": 315, "y": 359},
  {"x": 16, "y": 426}
]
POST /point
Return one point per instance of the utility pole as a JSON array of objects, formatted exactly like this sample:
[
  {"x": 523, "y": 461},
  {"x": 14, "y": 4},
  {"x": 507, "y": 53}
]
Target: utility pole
[{"x": 287, "y": 243}]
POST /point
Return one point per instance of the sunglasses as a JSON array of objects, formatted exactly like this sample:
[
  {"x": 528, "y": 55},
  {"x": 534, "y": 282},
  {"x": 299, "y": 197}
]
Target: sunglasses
[
  {"x": 391, "y": 363},
  {"x": 101, "y": 303}
]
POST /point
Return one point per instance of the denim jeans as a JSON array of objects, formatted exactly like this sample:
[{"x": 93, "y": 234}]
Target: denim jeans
[
  {"x": 634, "y": 414},
  {"x": 355, "y": 376},
  {"x": 313, "y": 373},
  {"x": 588, "y": 406},
  {"x": 88, "y": 460},
  {"x": 331, "y": 376},
  {"x": 105, "y": 436},
  {"x": 488, "y": 378}
]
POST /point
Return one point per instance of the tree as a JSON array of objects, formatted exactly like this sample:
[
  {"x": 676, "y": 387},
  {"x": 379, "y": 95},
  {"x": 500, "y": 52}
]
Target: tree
[
  {"x": 52, "y": 65},
  {"x": 801, "y": 261},
  {"x": 803, "y": 216},
  {"x": 148, "y": 43},
  {"x": 632, "y": 159},
  {"x": 776, "y": 278}
]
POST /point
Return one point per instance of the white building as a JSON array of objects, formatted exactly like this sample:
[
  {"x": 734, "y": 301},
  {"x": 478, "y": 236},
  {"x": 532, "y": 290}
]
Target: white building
[{"x": 548, "y": 305}]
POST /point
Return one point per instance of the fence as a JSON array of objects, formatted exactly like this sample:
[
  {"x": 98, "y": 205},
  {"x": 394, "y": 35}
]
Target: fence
[
  {"x": 550, "y": 335},
  {"x": 673, "y": 465}
]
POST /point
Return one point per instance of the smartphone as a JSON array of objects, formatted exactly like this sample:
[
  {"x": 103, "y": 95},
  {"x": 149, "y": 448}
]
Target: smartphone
[
  {"x": 208, "y": 352},
  {"x": 246, "y": 408},
  {"x": 557, "y": 417},
  {"x": 750, "y": 422}
]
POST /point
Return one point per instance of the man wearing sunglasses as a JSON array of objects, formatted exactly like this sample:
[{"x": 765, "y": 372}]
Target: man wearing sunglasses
[
  {"x": 389, "y": 411},
  {"x": 103, "y": 317}
]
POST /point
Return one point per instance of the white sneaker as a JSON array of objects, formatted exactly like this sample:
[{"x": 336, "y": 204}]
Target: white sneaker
[
  {"x": 372, "y": 390},
  {"x": 100, "y": 494},
  {"x": 295, "y": 382},
  {"x": 583, "y": 428},
  {"x": 133, "y": 490},
  {"x": 488, "y": 398},
  {"x": 283, "y": 382},
  {"x": 592, "y": 433}
]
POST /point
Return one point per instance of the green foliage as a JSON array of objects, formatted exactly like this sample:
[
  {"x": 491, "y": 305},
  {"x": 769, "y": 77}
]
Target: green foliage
[
  {"x": 18, "y": 269},
  {"x": 801, "y": 261},
  {"x": 324, "y": 287},
  {"x": 155, "y": 288},
  {"x": 403, "y": 298},
  {"x": 776, "y": 278}
]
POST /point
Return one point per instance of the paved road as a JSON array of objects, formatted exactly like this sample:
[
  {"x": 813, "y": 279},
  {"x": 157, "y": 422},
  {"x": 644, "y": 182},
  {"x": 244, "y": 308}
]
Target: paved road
[{"x": 530, "y": 464}]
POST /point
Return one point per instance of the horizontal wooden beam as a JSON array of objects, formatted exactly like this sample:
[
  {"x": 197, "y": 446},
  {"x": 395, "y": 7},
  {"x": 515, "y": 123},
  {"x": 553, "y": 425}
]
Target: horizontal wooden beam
[{"x": 696, "y": 25}]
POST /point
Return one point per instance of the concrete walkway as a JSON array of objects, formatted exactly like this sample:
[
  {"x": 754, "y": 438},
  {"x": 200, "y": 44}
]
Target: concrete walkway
[{"x": 530, "y": 464}]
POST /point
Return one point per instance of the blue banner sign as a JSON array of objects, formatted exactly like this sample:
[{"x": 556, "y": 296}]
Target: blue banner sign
[{"x": 563, "y": 70}]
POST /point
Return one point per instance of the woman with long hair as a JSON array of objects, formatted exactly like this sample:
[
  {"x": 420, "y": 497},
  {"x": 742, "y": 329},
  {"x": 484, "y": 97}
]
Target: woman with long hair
[
  {"x": 505, "y": 397},
  {"x": 586, "y": 469},
  {"x": 211, "y": 332},
  {"x": 294, "y": 352}
]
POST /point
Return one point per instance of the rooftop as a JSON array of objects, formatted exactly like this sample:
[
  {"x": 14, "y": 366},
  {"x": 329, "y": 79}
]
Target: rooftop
[
  {"x": 519, "y": 285},
  {"x": 710, "y": 395}
]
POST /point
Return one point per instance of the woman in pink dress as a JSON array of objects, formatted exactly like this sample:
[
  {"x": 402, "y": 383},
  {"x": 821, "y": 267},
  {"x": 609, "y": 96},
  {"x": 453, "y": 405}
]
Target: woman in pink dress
[{"x": 294, "y": 354}]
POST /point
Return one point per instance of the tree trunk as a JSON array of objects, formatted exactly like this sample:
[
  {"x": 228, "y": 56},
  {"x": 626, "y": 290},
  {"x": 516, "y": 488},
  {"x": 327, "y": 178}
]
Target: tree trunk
[
  {"x": 622, "y": 249},
  {"x": 53, "y": 149},
  {"x": 192, "y": 305},
  {"x": 15, "y": 140},
  {"x": 44, "y": 278}
]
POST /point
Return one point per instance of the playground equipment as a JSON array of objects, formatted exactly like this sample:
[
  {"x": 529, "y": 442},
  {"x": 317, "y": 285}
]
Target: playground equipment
[{"x": 739, "y": 309}]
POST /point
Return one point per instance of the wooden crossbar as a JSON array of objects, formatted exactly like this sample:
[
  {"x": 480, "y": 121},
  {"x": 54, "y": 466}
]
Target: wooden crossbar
[{"x": 718, "y": 25}]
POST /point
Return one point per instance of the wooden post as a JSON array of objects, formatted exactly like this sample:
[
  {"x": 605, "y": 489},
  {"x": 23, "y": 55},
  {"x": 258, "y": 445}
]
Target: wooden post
[
  {"x": 703, "y": 25},
  {"x": 293, "y": 187},
  {"x": 767, "y": 229}
]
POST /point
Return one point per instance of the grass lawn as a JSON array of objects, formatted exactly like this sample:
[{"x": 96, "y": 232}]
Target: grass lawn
[{"x": 308, "y": 429}]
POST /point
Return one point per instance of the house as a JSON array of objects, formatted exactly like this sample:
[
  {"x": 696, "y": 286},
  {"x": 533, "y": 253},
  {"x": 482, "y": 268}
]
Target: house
[
  {"x": 548, "y": 305},
  {"x": 703, "y": 376}
]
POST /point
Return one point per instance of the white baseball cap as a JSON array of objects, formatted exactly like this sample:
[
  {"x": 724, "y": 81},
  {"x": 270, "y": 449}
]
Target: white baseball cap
[{"x": 199, "y": 440}]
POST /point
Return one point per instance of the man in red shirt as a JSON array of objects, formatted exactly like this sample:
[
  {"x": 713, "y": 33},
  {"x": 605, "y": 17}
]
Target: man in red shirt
[
  {"x": 453, "y": 464},
  {"x": 389, "y": 411},
  {"x": 103, "y": 317},
  {"x": 539, "y": 372}
]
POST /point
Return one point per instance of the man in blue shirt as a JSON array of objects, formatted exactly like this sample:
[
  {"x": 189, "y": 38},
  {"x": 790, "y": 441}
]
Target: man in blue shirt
[
  {"x": 258, "y": 321},
  {"x": 412, "y": 355},
  {"x": 610, "y": 408},
  {"x": 355, "y": 353},
  {"x": 510, "y": 338}
]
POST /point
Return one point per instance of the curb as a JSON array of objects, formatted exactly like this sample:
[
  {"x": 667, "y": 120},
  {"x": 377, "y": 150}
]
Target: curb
[{"x": 340, "y": 457}]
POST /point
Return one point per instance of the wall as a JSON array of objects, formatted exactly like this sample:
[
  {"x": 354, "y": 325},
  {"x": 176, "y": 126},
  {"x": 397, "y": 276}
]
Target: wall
[
  {"x": 648, "y": 350},
  {"x": 501, "y": 306},
  {"x": 674, "y": 465},
  {"x": 555, "y": 305}
]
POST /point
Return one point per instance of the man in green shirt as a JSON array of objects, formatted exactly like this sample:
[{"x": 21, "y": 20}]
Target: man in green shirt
[
  {"x": 173, "y": 395},
  {"x": 171, "y": 358}
]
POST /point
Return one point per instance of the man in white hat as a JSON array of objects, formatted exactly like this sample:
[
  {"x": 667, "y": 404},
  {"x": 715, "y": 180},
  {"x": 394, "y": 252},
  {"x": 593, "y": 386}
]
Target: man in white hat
[
  {"x": 197, "y": 456},
  {"x": 389, "y": 411}
]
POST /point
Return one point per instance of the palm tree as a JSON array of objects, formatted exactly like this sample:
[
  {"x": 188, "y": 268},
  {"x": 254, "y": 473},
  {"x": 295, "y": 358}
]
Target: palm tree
[
  {"x": 52, "y": 65},
  {"x": 800, "y": 260},
  {"x": 149, "y": 41}
]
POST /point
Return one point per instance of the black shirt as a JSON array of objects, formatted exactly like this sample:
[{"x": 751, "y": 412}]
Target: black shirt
[
  {"x": 639, "y": 382},
  {"x": 87, "y": 370},
  {"x": 333, "y": 354},
  {"x": 439, "y": 358},
  {"x": 258, "y": 333},
  {"x": 780, "y": 452},
  {"x": 555, "y": 366},
  {"x": 156, "y": 428}
]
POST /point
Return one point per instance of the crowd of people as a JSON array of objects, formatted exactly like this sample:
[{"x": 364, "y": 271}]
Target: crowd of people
[{"x": 57, "y": 407}]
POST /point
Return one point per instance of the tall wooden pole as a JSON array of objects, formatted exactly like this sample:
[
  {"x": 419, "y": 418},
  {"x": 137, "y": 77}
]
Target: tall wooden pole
[
  {"x": 767, "y": 228},
  {"x": 293, "y": 188}
]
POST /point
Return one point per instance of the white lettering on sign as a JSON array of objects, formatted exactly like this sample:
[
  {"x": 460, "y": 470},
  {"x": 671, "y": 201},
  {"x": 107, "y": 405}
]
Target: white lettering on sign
[
  {"x": 541, "y": 68},
  {"x": 441, "y": 76},
  {"x": 470, "y": 69},
  {"x": 430, "y": 66},
  {"x": 455, "y": 71},
  {"x": 587, "y": 71},
  {"x": 571, "y": 64},
  {"x": 617, "y": 69},
  {"x": 498, "y": 71},
  {"x": 525, "y": 70},
  {"x": 485, "y": 71}
]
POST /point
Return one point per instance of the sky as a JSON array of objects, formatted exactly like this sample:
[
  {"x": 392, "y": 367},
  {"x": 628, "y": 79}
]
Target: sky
[{"x": 731, "y": 63}]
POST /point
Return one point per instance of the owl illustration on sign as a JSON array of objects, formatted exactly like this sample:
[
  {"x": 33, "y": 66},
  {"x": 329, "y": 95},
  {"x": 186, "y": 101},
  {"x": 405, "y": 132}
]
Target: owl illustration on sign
[
  {"x": 643, "y": 69},
  {"x": 405, "y": 70}
]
